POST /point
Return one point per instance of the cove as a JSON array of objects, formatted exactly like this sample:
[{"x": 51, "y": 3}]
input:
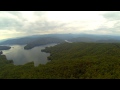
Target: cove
[{"x": 21, "y": 56}]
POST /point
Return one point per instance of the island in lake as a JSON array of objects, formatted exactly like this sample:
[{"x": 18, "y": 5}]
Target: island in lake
[{"x": 4, "y": 47}]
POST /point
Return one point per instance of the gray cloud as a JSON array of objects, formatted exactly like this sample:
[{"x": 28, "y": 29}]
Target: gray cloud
[
  {"x": 112, "y": 15},
  {"x": 9, "y": 23},
  {"x": 40, "y": 13},
  {"x": 117, "y": 24},
  {"x": 15, "y": 20},
  {"x": 16, "y": 14},
  {"x": 11, "y": 20},
  {"x": 103, "y": 29},
  {"x": 112, "y": 23},
  {"x": 42, "y": 24}
]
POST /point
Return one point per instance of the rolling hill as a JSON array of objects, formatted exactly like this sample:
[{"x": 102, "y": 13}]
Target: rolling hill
[{"x": 43, "y": 41}]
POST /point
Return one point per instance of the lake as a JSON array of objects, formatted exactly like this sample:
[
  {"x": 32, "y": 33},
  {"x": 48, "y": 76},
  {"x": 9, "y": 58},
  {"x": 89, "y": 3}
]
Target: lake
[{"x": 21, "y": 56}]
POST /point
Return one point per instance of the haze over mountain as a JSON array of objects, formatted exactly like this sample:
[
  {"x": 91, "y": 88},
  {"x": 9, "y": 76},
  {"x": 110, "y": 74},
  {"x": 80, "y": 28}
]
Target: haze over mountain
[
  {"x": 16, "y": 24},
  {"x": 19, "y": 41},
  {"x": 37, "y": 40},
  {"x": 43, "y": 41}
]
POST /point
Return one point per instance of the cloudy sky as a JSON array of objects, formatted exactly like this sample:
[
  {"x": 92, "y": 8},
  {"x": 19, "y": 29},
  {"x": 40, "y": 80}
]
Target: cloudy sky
[{"x": 25, "y": 23}]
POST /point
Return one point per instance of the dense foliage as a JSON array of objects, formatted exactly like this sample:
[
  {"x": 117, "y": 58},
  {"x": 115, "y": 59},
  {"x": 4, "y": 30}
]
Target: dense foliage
[{"x": 70, "y": 60}]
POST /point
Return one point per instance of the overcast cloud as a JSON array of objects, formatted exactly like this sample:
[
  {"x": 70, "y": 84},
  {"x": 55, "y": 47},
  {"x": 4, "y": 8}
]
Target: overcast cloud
[{"x": 24, "y": 23}]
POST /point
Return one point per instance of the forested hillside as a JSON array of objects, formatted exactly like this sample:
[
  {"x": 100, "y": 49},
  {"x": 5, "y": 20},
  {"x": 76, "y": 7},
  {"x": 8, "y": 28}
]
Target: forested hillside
[
  {"x": 70, "y": 61},
  {"x": 43, "y": 41}
]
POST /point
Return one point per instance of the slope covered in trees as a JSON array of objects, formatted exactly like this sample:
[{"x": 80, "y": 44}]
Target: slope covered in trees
[
  {"x": 43, "y": 41},
  {"x": 70, "y": 60}
]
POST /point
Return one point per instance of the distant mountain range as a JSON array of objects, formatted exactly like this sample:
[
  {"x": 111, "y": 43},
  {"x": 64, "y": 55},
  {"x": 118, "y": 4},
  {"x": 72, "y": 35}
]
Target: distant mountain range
[
  {"x": 82, "y": 39},
  {"x": 36, "y": 40},
  {"x": 19, "y": 41}
]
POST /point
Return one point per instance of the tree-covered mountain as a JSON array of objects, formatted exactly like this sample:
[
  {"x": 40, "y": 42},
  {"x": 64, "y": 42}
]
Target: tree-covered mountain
[
  {"x": 4, "y": 47},
  {"x": 69, "y": 61},
  {"x": 43, "y": 41}
]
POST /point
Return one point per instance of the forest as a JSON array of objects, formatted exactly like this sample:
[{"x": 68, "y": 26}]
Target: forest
[{"x": 78, "y": 60}]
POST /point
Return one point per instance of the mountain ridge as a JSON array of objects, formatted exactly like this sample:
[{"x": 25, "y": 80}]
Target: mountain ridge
[{"x": 69, "y": 37}]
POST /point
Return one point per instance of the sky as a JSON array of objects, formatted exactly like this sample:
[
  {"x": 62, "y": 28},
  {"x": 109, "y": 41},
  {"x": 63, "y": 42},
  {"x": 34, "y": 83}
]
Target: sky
[{"x": 25, "y": 23}]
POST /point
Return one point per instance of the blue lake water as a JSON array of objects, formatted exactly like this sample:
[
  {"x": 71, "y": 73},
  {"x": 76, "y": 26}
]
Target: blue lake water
[{"x": 21, "y": 56}]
